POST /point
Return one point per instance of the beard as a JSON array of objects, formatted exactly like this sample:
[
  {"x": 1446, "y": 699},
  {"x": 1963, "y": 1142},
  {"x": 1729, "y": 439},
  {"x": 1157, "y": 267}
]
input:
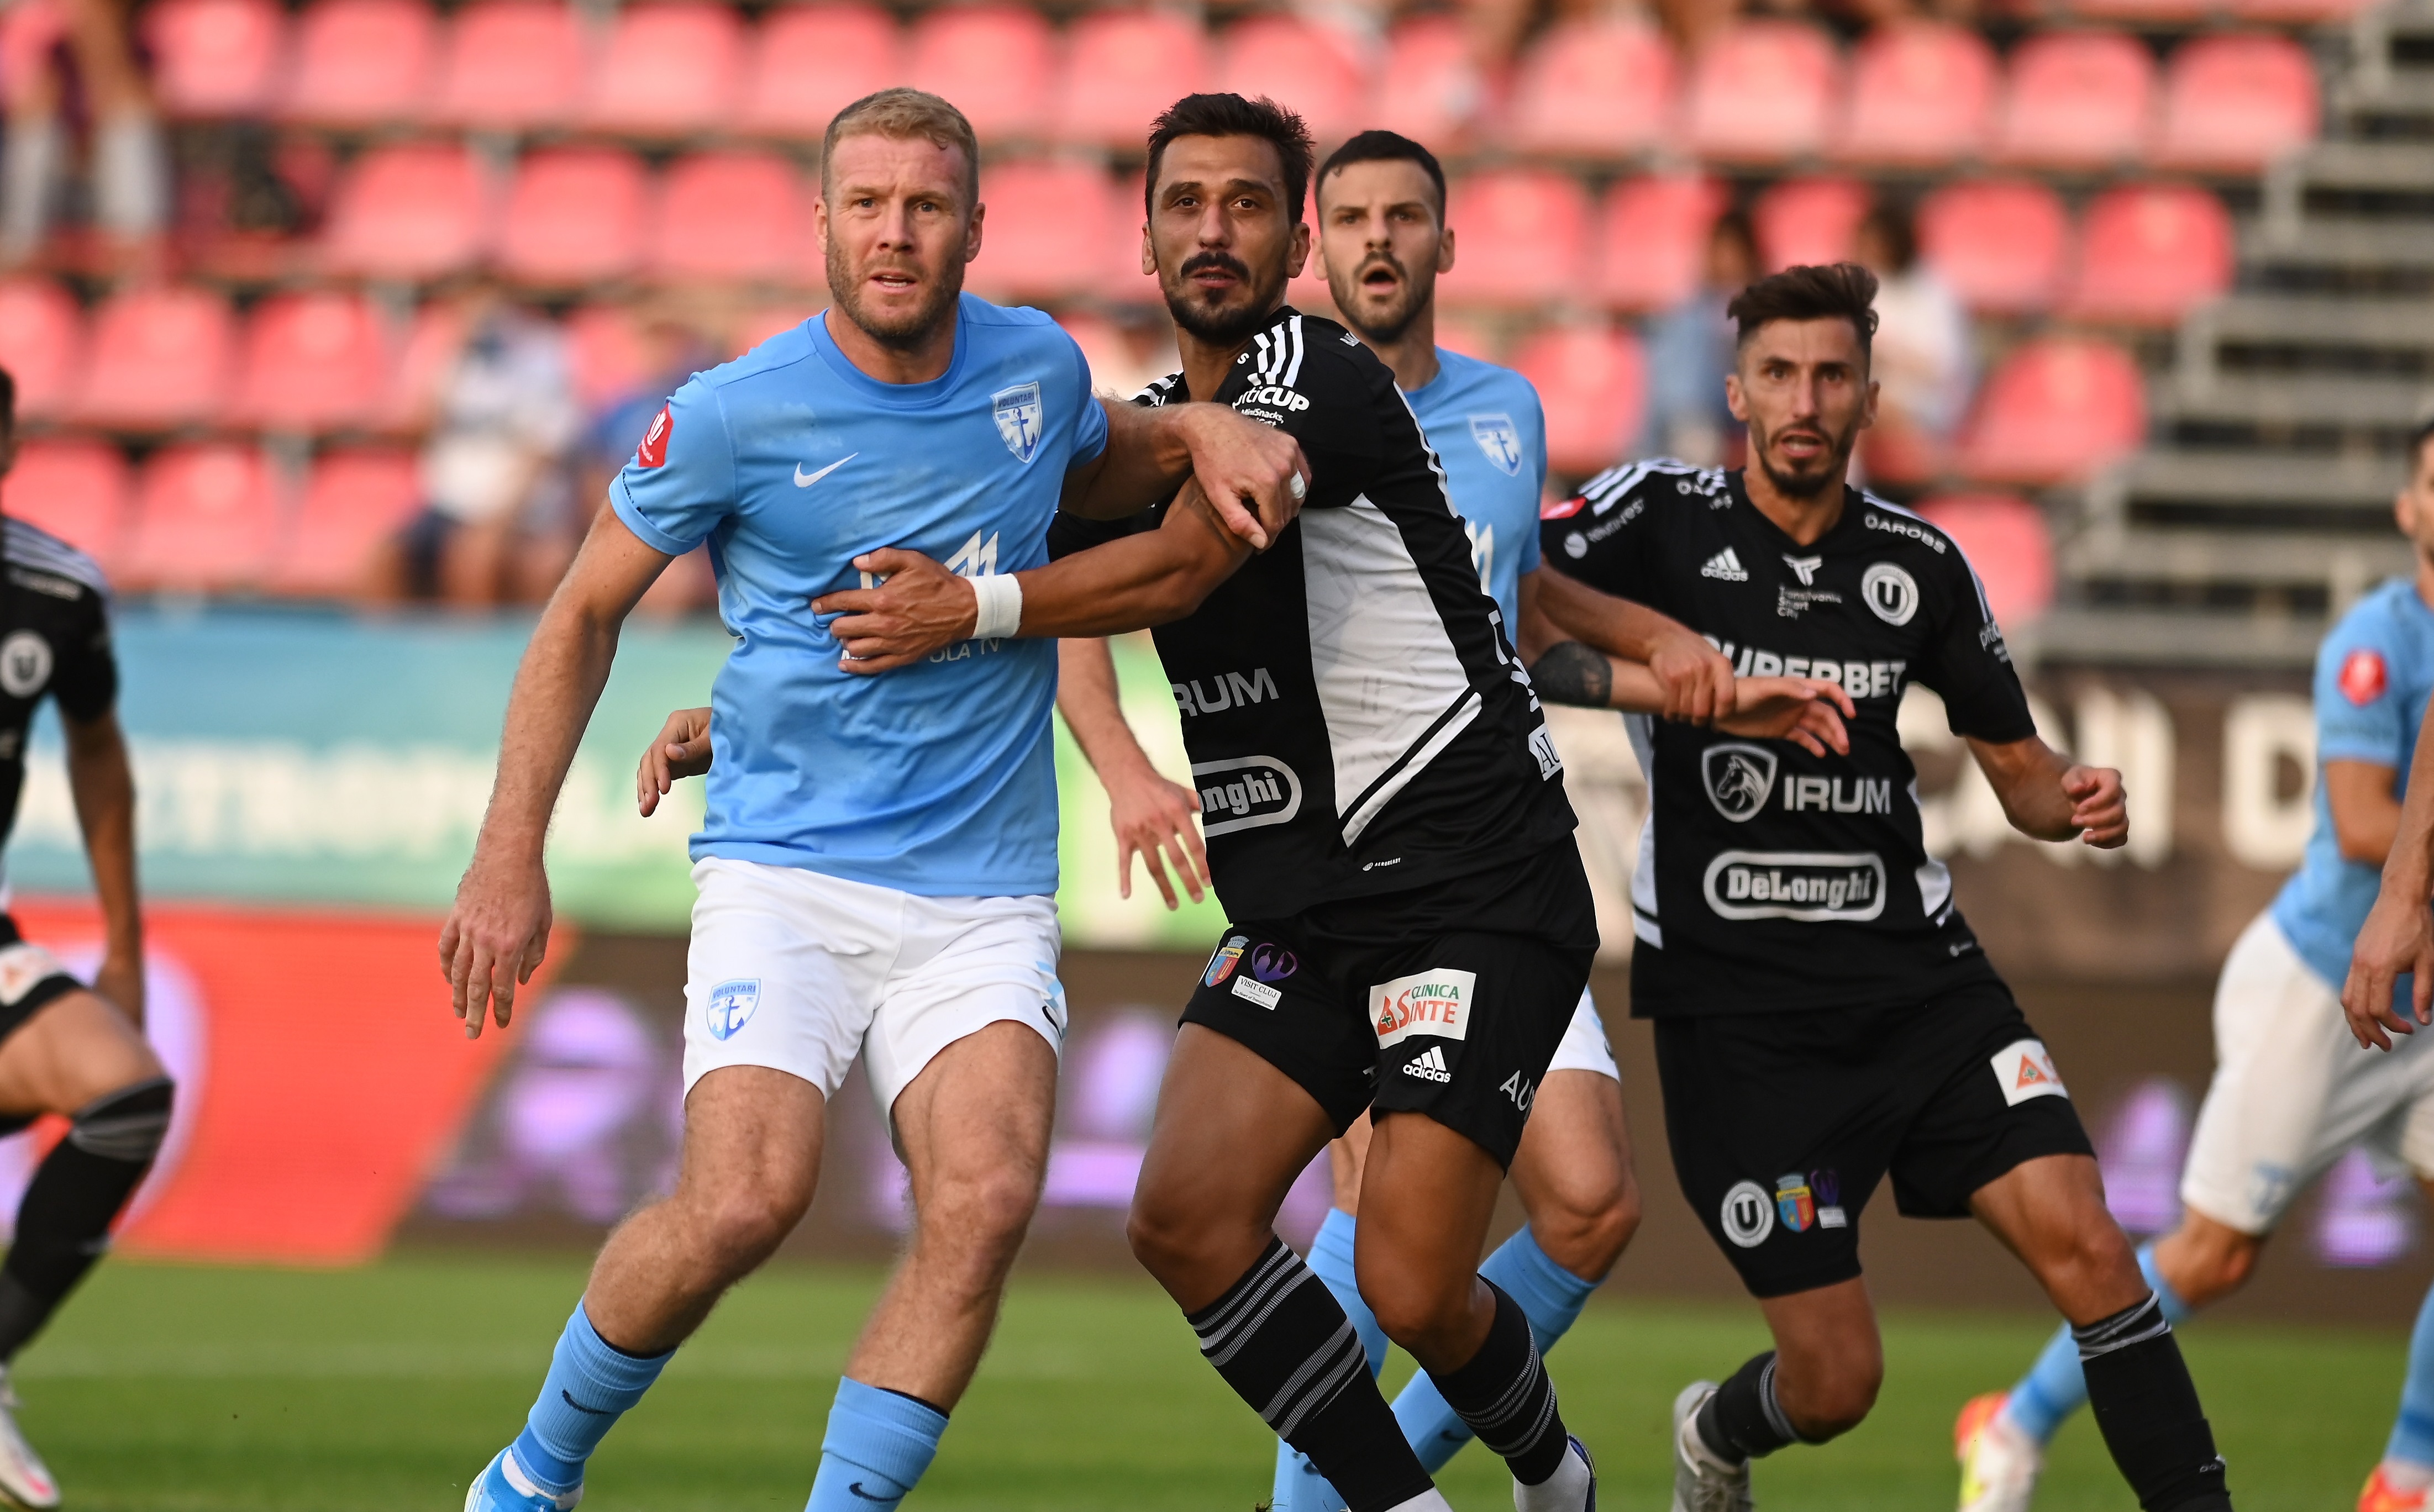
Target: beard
[
  {"x": 1828, "y": 472},
  {"x": 900, "y": 330},
  {"x": 1384, "y": 326},
  {"x": 1220, "y": 325}
]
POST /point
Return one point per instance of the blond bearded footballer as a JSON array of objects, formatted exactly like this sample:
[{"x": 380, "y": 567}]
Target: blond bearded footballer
[
  {"x": 1824, "y": 1016},
  {"x": 877, "y": 871}
]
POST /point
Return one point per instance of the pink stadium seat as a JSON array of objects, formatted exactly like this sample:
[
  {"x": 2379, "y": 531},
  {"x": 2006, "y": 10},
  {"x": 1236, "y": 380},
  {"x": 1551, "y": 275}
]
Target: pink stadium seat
[
  {"x": 2076, "y": 99},
  {"x": 1653, "y": 235},
  {"x": 1594, "y": 385},
  {"x": 1762, "y": 92},
  {"x": 2006, "y": 540},
  {"x": 432, "y": 342},
  {"x": 1457, "y": 333},
  {"x": 1920, "y": 93},
  {"x": 1038, "y": 214},
  {"x": 214, "y": 58},
  {"x": 575, "y": 217},
  {"x": 1594, "y": 89},
  {"x": 604, "y": 351},
  {"x": 1121, "y": 67},
  {"x": 354, "y": 500},
  {"x": 2151, "y": 253},
  {"x": 1520, "y": 238},
  {"x": 1808, "y": 220},
  {"x": 2058, "y": 410},
  {"x": 811, "y": 61},
  {"x": 2000, "y": 243},
  {"x": 1428, "y": 89},
  {"x": 730, "y": 216},
  {"x": 671, "y": 68},
  {"x": 995, "y": 61},
  {"x": 511, "y": 65},
  {"x": 1304, "y": 67},
  {"x": 2144, "y": 12},
  {"x": 74, "y": 487},
  {"x": 313, "y": 362},
  {"x": 160, "y": 359},
  {"x": 361, "y": 62},
  {"x": 412, "y": 211},
  {"x": 2234, "y": 103},
  {"x": 762, "y": 322},
  {"x": 206, "y": 518},
  {"x": 41, "y": 344}
]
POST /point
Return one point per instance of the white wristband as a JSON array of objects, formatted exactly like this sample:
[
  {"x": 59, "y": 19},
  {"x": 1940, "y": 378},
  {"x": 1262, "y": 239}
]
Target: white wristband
[{"x": 1001, "y": 607}]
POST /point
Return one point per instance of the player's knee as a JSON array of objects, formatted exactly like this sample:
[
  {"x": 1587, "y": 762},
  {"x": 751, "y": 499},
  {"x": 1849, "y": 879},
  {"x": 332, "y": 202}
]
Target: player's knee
[
  {"x": 1422, "y": 1313},
  {"x": 1586, "y": 1231},
  {"x": 1830, "y": 1402},
  {"x": 1166, "y": 1235},
  {"x": 986, "y": 1211},
  {"x": 741, "y": 1227}
]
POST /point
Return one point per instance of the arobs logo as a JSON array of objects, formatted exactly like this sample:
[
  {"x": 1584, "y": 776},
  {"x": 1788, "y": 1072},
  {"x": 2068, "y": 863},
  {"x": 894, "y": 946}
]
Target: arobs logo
[
  {"x": 1739, "y": 778},
  {"x": 1812, "y": 887},
  {"x": 1433, "y": 1003},
  {"x": 1244, "y": 792},
  {"x": 1018, "y": 419}
]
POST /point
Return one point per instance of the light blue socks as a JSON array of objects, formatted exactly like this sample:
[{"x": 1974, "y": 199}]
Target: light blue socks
[
  {"x": 2412, "y": 1432},
  {"x": 878, "y": 1444},
  {"x": 589, "y": 1385},
  {"x": 2054, "y": 1388},
  {"x": 1550, "y": 1297}
]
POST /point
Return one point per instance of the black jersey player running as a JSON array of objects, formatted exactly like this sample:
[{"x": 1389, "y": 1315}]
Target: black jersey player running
[
  {"x": 64, "y": 1047},
  {"x": 1412, "y": 924},
  {"x": 1823, "y": 1015}
]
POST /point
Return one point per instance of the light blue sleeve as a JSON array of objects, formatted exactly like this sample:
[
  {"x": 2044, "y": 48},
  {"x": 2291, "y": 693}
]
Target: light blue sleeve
[
  {"x": 1090, "y": 422},
  {"x": 676, "y": 490},
  {"x": 1535, "y": 461},
  {"x": 2362, "y": 712}
]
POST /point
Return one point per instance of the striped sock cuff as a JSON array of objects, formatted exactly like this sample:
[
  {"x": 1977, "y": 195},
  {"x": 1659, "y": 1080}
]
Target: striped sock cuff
[{"x": 2136, "y": 1324}]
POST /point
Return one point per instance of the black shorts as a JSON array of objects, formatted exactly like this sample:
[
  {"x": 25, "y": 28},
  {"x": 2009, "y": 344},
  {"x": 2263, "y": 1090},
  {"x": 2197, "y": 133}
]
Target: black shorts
[
  {"x": 1782, "y": 1124},
  {"x": 1447, "y": 1000}
]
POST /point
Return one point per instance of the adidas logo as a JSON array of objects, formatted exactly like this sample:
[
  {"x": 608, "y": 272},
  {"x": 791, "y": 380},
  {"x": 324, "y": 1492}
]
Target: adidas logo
[
  {"x": 1429, "y": 1066},
  {"x": 1726, "y": 566}
]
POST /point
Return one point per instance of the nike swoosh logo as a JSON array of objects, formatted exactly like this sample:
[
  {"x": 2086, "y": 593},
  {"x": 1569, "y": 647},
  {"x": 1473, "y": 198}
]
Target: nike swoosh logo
[
  {"x": 804, "y": 479},
  {"x": 596, "y": 1412},
  {"x": 856, "y": 1489}
]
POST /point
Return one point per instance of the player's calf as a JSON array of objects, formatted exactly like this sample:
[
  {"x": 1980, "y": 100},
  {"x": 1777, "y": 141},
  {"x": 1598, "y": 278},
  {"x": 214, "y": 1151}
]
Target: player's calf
[{"x": 63, "y": 1223}]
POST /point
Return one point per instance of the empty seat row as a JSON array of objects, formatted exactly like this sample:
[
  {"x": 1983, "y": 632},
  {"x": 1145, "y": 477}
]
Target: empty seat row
[
  {"x": 1766, "y": 91},
  {"x": 213, "y": 516}
]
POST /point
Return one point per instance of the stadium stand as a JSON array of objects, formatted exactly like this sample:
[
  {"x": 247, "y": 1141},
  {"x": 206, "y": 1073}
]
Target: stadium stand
[
  {"x": 1652, "y": 238},
  {"x": 1288, "y": 59},
  {"x": 2008, "y": 544},
  {"x": 670, "y": 69},
  {"x": 76, "y": 489},
  {"x": 1764, "y": 92},
  {"x": 2058, "y": 410},
  {"x": 731, "y": 217},
  {"x": 1428, "y": 89},
  {"x": 1524, "y": 240},
  {"x": 996, "y": 62},
  {"x": 160, "y": 360},
  {"x": 1121, "y": 67},
  {"x": 2235, "y": 103},
  {"x": 2076, "y": 99},
  {"x": 1039, "y": 213},
  {"x": 2151, "y": 253},
  {"x": 1921, "y": 94},
  {"x": 1592, "y": 381},
  {"x": 1808, "y": 220},
  {"x": 2001, "y": 243},
  {"x": 510, "y": 65},
  {"x": 206, "y": 519},
  {"x": 807, "y": 63},
  {"x": 604, "y": 354},
  {"x": 361, "y": 62},
  {"x": 1594, "y": 89},
  {"x": 312, "y": 361},
  {"x": 416, "y": 212},
  {"x": 42, "y": 333},
  {"x": 575, "y": 217},
  {"x": 215, "y": 58},
  {"x": 353, "y": 500}
]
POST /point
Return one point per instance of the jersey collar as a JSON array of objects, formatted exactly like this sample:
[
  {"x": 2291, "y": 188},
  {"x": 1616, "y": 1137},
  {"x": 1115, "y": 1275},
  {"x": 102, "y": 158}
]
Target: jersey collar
[{"x": 896, "y": 396}]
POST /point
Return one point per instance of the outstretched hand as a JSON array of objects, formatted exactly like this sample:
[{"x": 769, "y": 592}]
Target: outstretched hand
[
  {"x": 2397, "y": 940},
  {"x": 1803, "y": 710},
  {"x": 917, "y": 607},
  {"x": 495, "y": 937},
  {"x": 1152, "y": 818},
  {"x": 681, "y": 749}
]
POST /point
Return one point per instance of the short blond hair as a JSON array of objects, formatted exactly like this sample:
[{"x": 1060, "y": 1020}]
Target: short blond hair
[{"x": 902, "y": 115}]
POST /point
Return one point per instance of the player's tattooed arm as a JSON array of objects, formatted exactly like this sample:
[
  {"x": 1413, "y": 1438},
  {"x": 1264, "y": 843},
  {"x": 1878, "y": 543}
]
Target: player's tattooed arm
[
  {"x": 2047, "y": 796},
  {"x": 1250, "y": 472},
  {"x": 1132, "y": 584},
  {"x": 1571, "y": 672},
  {"x": 1799, "y": 709},
  {"x": 1696, "y": 678},
  {"x": 681, "y": 749}
]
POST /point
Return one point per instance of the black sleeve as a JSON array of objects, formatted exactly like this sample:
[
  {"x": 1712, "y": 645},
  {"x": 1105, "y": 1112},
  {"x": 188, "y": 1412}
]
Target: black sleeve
[
  {"x": 1069, "y": 532},
  {"x": 1968, "y": 663},
  {"x": 1337, "y": 409},
  {"x": 86, "y": 681},
  {"x": 1603, "y": 536}
]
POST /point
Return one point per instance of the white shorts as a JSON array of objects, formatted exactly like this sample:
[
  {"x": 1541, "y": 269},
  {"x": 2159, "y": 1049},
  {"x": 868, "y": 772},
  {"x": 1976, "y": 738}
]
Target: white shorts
[
  {"x": 1585, "y": 1047},
  {"x": 2292, "y": 1092},
  {"x": 799, "y": 971}
]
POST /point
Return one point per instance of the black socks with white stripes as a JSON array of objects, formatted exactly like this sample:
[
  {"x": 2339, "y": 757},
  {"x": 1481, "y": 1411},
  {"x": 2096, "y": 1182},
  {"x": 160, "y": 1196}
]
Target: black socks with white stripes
[
  {"x": 1282, "y": 1342},
  {"x": 1504, "y": 1395},
  {"x": 2146, "y": 1408},
  {"x": 1743, "y": 1420},
  {"x": 64, "y": 1224}
]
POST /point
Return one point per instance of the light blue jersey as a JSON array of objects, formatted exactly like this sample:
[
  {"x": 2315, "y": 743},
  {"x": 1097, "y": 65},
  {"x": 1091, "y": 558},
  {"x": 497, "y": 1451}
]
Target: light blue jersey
[
  {"x": 1490, "y": 436},
  {"x": 937, "y": 780},
  {"x": 2374, "y": 675}
]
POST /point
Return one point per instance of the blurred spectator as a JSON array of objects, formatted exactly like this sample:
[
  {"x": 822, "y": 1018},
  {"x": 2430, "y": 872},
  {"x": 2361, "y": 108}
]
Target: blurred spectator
[
  {"x": 497, "y": 523},
  {"x": 63, "y": 60},
  {"x": 1690, "y": 351},
  {"x": 673, "y": 350},
  {"x": 1924, "y": 362}
]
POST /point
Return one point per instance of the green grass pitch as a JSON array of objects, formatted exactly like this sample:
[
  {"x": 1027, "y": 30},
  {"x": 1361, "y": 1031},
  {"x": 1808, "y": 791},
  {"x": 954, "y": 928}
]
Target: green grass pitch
[{"x": 169, "y": 1388}]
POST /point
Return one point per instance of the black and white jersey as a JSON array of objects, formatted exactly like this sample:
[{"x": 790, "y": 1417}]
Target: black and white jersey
[
  {"x": 53, "y": 641},
  {"x": 1355, "y": 719},
  {"x": 1769, "y": 879}
]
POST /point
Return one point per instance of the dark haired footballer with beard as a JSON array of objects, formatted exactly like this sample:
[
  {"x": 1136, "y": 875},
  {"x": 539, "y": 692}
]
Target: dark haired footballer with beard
[{"x": 1824, "y": 1016}]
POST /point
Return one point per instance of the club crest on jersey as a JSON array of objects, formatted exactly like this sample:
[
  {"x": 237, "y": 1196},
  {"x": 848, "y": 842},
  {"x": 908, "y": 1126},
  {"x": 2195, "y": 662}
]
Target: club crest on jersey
[
  {"x": 2024, "y": 1070},
  {"x": 1739, "y": 778},
  {"x": 1244, "y": 792},
  {"x": 1891, "y": 593},
  {"x": 730, "y": 1006},
  {"x": 1748, "y": 1215},
  {"x": 25, "y": 664},
  {"x": 1220, "y": 965},
  {"x": 652, "y": 452},
  {"x": 1793, "y": 1206},
  {"x": 1502, "y": 442},
  {"x": 1018, "y": 419}
]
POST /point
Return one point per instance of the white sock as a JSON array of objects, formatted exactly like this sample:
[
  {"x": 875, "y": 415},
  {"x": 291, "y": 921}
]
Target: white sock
[
  {"x": 1566, "y": 1490},
  {"x": 2407, "y": 1476},
  {"x": 1430, "y": 1500}
]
